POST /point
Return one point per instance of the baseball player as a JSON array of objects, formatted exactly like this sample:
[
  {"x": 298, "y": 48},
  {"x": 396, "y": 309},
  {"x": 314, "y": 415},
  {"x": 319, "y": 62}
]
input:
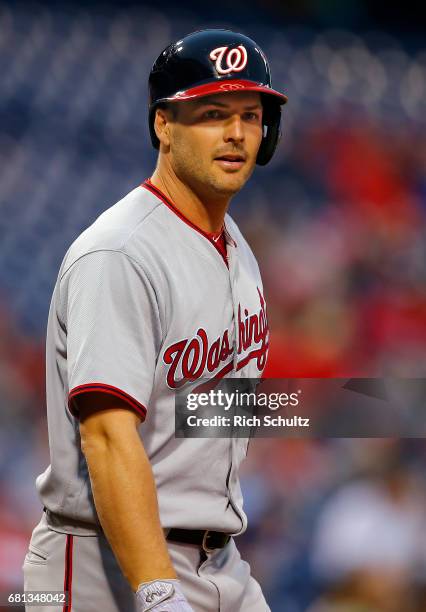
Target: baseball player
[{"x": 161, "y": 290}]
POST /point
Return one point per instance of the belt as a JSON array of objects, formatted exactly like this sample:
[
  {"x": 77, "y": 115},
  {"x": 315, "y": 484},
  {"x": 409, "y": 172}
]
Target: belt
[{"x": 207, "y": 540}]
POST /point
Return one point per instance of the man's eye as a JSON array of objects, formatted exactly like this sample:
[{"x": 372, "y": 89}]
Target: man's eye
[
  {"x": 252, "y": 116},
  {"x": 212, "y": 114}
]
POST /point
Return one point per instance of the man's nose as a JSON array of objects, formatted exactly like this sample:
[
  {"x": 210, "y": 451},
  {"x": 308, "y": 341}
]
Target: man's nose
[{"x": 234, "y": 129}]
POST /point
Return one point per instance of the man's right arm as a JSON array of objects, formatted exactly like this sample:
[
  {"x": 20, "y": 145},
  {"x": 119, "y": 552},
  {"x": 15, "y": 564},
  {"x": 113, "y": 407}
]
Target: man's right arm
[
  {"x": 109, "y": 309},
  {"x": 124, "y": 489}
]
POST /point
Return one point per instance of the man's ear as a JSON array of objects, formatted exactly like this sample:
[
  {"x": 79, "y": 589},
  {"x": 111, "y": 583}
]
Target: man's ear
[{"x": 162, "y": 125}]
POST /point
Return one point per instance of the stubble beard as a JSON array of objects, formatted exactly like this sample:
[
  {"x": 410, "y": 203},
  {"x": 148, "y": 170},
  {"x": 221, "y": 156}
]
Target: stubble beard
[{"x": 189, "y": 169}]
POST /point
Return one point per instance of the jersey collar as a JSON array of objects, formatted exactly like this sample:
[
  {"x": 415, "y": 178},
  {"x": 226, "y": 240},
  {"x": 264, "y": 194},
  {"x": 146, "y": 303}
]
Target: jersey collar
[{"x": 162, "y": 196}]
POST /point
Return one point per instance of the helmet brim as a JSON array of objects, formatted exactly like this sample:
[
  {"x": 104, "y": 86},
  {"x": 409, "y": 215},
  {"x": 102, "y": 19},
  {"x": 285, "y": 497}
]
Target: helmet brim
[{"x": 224, "y": 86}]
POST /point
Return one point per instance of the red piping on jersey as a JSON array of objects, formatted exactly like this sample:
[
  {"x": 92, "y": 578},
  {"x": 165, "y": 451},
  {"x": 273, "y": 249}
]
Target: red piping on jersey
[
  {"x": 103, "y": 388},
  {"x": 157, "y": 192},
  {"x": 68, "y": 572}
]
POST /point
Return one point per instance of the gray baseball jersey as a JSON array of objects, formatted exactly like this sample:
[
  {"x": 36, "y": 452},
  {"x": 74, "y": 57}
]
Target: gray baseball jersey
[{"x": 144, "y": 300}]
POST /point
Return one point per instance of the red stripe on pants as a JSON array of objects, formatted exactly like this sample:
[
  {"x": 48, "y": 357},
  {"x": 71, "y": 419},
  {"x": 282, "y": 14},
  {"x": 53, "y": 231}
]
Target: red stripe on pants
[{"x": 68, "y": 571}]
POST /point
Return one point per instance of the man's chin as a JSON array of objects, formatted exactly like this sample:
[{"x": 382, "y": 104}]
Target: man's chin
[{"x": 229, "y": 182}]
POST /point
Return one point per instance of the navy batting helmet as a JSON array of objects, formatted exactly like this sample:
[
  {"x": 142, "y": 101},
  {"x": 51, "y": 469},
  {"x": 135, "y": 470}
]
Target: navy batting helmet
[{"x": 215, "y": 61}]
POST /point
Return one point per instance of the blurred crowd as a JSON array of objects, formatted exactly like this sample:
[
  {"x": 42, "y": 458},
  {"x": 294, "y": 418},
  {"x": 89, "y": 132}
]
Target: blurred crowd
[
  {"x": 338, "y": 525},
  {"x": 346, "y": 281},
  {"x": 337, "y": 221}
]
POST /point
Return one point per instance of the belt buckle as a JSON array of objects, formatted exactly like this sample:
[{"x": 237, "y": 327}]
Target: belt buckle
[{"x": 204, "y": 544}]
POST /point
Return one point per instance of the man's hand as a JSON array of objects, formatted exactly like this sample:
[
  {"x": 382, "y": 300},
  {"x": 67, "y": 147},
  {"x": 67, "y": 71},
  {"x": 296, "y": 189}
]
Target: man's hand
[{"x": 162, "y": 596}]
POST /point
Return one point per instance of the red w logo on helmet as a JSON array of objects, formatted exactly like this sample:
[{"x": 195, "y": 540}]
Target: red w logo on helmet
[{"x": 235, "y": 59}]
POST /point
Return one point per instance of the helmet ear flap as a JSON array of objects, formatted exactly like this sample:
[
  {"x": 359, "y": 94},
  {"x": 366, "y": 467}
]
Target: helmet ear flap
[
  {"x": 154, "y": 139},
  {"x": 271, "y": 131}
]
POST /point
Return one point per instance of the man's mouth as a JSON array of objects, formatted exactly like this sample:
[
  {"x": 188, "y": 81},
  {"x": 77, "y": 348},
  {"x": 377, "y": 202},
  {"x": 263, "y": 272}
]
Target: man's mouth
[{"x": 232, "y": 161}]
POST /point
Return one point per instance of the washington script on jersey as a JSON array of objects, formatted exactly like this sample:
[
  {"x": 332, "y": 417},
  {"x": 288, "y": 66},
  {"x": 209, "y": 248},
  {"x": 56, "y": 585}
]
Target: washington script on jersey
[{"x": 196, "y": 356}]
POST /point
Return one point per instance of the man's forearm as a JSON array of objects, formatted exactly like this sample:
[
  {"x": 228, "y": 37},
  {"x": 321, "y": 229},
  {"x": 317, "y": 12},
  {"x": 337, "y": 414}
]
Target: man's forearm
[{"x": 126, "y": 502}]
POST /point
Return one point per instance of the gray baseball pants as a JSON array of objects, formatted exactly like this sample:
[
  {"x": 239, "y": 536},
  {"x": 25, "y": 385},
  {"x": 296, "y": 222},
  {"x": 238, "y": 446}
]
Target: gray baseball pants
[{"x": 88, "y": 569}]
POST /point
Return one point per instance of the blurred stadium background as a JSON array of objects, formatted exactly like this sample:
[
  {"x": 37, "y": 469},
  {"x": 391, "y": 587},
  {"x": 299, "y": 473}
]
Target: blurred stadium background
[{"x": 337, "y": 220}]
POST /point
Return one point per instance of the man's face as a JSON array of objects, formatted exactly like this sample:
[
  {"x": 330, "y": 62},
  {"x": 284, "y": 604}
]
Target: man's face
[{"x": 214, "y": 141}]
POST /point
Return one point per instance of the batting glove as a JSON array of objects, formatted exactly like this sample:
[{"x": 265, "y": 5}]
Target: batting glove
[{"x": 162, "y": 596}]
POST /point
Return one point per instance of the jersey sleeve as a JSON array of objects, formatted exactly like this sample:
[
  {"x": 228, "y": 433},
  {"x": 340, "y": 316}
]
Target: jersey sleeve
[{"x": 113, "y": 330}]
